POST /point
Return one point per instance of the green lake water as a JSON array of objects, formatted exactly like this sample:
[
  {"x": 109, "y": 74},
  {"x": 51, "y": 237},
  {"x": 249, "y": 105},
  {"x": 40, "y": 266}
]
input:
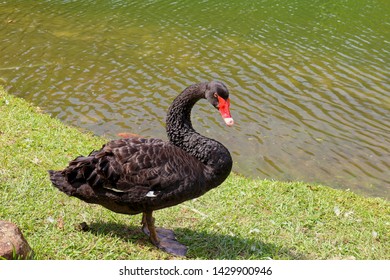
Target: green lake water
[{"x": 309, "y": 80}]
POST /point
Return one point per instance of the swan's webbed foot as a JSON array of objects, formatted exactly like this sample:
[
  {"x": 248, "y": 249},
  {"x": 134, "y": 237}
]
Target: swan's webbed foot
[{"x": 162, "y": 238}]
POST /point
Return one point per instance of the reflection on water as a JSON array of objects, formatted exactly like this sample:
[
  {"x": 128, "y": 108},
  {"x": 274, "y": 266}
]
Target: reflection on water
[{"x": 310, "y": 80}]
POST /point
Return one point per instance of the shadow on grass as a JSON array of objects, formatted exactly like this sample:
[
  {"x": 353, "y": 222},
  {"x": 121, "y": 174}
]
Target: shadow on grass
[{"x": 201, "y": 244}]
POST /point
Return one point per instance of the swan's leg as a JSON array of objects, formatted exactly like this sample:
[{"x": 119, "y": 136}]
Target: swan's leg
[
  {"x": 144, "y": 224},
  {"x": 148, "y": 227},
  {"x": 163, "y": 239},
  {"x": 152, "y": 229}
]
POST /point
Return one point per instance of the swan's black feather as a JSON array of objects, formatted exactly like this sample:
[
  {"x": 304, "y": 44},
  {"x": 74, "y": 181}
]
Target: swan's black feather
[{"x": 127, "y": 169}]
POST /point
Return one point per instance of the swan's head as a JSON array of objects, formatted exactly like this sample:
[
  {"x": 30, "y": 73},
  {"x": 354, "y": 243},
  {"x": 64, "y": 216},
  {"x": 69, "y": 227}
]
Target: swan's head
[{"x": 218, "y": 95}]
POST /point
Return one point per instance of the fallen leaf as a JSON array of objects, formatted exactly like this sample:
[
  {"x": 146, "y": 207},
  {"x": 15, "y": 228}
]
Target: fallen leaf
[
  {"x": 128, "y": 135},
  {"x": 254, "y": 230},
  {"x": 337, "y": 211},
  {"x": 60, "y": 223}
]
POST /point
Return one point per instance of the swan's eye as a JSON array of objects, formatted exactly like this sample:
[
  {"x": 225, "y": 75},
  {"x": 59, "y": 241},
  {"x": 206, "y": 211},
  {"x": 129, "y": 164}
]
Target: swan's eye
[{"x": 215, "y": 95}]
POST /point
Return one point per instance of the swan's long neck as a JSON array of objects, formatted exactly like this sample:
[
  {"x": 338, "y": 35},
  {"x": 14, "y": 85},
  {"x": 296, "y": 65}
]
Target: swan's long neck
[{"x": 181, "y": 133}]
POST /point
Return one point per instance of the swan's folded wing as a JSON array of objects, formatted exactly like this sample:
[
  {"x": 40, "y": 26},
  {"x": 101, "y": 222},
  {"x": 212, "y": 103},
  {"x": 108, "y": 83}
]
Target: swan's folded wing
[{"x": 150, "y": 164}]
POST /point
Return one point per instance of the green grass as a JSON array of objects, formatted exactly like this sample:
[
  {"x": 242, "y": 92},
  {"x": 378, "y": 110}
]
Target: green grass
[{"x": 241, "y": 219}]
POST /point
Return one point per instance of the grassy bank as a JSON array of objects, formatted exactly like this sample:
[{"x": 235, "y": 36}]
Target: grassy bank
[{"x": 242, "y": 219}]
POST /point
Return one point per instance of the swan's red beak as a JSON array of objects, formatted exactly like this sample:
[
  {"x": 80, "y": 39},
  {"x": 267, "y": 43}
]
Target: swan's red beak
[{"x": 223, "y": 107}]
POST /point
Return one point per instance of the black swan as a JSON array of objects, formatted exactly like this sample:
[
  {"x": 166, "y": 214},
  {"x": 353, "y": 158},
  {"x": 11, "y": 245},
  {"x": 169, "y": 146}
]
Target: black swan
[{"x": 137, "y": 175}]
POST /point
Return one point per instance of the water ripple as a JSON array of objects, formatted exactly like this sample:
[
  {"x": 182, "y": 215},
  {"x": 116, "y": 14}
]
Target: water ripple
[{"x": 310, "y": 87}]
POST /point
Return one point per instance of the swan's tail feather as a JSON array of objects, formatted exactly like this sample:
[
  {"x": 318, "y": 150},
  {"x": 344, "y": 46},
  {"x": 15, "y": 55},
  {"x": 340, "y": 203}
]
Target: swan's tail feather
[
  {"x": 59, "y": 181},
  {"x": 81, "y": 191}
]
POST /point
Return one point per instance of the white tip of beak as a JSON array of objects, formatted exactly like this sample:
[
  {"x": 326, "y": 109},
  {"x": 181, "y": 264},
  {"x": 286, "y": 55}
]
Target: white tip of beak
[{"x": 229, "y": 121}]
